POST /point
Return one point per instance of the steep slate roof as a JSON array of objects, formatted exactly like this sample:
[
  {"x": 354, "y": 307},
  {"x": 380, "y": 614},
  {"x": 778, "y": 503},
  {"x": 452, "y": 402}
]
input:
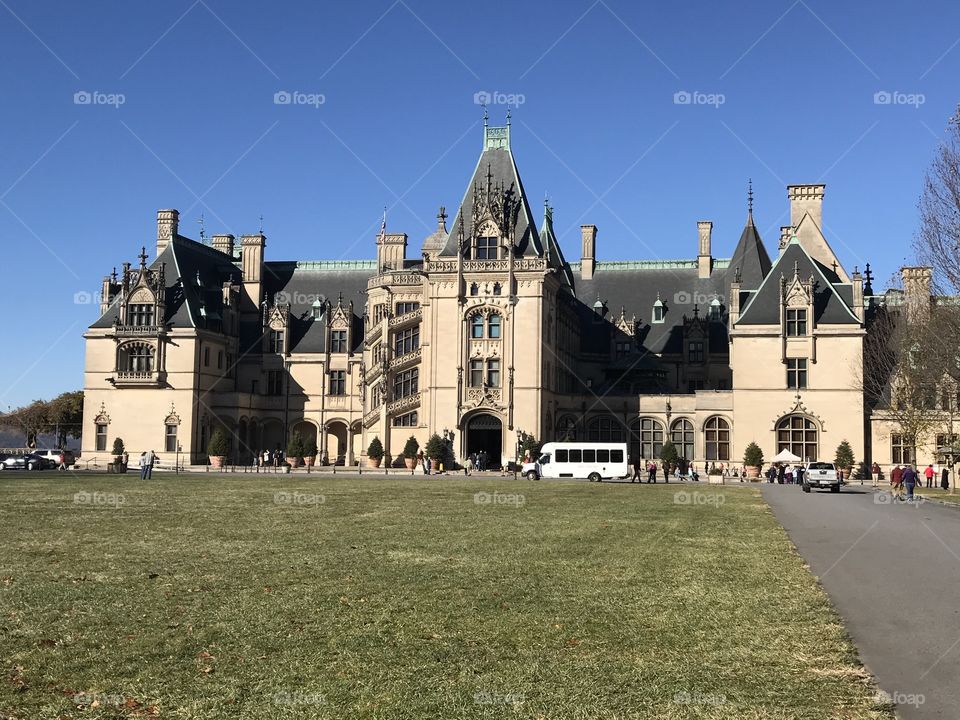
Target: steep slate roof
[
  {"x": 751, "y": 257},
  {"x": 832, "y": 299}
]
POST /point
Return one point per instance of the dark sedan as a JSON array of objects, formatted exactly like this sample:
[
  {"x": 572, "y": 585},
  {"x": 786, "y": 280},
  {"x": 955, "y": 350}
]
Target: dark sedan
[{"x": 29, "y": 461}]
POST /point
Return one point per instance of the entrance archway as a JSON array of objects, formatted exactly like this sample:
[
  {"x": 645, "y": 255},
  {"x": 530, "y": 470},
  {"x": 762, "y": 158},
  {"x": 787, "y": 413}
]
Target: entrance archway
[
  {"x": 336, "y": 442},
  {"x": 485, "y": 433}
]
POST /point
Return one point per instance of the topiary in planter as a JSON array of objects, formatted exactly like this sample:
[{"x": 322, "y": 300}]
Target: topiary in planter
[
  {"x": 118, "y": 447},
  {"x": 753, "y": 460},
  {"x": 310, "y": 451},
  {"x": 218, "y": 447},
  {"x": 411, "y": 448},
  {"x": 844, "y": 458},
  {"x": 375, "y": 452}
]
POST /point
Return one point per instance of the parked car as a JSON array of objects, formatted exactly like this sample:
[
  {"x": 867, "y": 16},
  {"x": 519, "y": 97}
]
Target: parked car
[
  {"x": 29, "y": 461},
  {"x": 821, "y": 475},
  {"x": 54, "y": 457}
]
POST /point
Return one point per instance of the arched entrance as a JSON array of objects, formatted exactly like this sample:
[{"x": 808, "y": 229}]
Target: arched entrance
[
  {"x": 485, "y": 433},
  {"x": 336, "y": 442}
]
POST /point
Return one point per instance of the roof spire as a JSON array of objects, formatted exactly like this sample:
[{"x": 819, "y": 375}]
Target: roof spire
[
  {"x": 508, "y": 117},
  {"x": 143, "y": 257},
  {"x": 261, "y": 224},
  {"x": 203, "y": 237},
  {"x": 442, "y": 219},
  {"x": 750, "y": 201},
  {"x": 485, "y": 115}
]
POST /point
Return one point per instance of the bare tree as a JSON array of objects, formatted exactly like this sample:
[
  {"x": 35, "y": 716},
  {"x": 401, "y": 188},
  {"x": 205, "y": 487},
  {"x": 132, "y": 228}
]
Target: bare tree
[{"x": 937, "y": 243}]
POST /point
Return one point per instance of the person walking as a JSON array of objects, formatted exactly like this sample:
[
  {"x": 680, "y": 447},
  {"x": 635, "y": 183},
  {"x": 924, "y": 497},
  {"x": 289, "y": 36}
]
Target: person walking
[
  {"x": 896, "y": 481},
  {"x": 929, "y": 473},
  {"x": 945, "y": 478},
  {"x": 148, "y": 460},
  {"x": 781, "y": 474},
  {"x": 798, "y": 475},
  {"x": 910, "y": 480},
  {"x": 635, "y": 463},
  {"x": 423, "y": 462},
  {"x": 143, "y": 466},
  {"x": 63, "y": 461},
  {"x": 875, "y": 474}
]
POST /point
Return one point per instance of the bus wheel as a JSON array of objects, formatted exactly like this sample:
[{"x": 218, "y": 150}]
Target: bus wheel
[
  {"x": 594, "y": 477},
  {"x": 532, "y": 475}
]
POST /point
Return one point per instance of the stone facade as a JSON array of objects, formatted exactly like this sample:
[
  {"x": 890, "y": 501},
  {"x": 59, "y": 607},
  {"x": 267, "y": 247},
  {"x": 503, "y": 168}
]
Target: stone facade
[{"x": 487, "y": 332}]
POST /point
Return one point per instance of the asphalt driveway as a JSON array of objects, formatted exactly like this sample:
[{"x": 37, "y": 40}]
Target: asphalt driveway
[{"x": 893, "y": 572}]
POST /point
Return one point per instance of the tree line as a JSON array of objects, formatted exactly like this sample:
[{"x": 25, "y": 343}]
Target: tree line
[{"x": 62, "y": 417}]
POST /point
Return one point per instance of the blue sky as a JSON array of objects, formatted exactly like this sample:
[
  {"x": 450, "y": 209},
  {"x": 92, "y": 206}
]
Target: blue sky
[{"x": 182, "y": 114}]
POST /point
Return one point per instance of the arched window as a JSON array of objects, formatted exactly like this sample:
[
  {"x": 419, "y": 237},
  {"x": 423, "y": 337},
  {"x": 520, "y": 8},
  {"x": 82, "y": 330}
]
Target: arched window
[
  {"x": 605, "y": 429},
  {"x": 474, "y": 289},
  {"x": 497, "y": 289},
  {"x": 797, "y": 434},
  {"x": 681, "y": 434},
  {"x": 567, "y": 428},
  {"x": 718, "y": 439},
  {"x": 476, "y": 327},
  {"x": 651, "y": 438},
  {"x": 493, "y": 326},
  {"x": 136, "y": 358}
]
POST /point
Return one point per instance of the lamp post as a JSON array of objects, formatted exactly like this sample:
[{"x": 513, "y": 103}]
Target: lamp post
[
  {"x": 177, "y": 458},
  {"x": 521, "y": 438}
]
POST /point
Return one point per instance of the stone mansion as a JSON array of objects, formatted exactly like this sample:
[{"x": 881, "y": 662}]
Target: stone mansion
[{"x": 484, "y": 331}]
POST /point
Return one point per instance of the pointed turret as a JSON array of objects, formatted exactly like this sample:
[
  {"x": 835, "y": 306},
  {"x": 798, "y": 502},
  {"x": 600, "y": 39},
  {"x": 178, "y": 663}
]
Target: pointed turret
[
  {"x": 550, "y": 245},
  {"x": 750, "y": 256}
]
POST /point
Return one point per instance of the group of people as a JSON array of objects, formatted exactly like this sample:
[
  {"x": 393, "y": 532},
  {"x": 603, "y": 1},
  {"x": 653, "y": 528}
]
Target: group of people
[
  {"x": 267, "y": 458},
  {"x": 147, "y": 460},
  {"x": 652, "y": 469},
  {"x": 906, "y": 479},
  {"x": 785, "y": 474}
]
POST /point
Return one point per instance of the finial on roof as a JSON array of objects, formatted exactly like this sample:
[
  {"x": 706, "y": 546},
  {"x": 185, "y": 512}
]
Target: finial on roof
[
  {"x": 340, "y": 299},
  {"x": 696, "y": 310},
  {"x": 736, "y": 274},
  {"x": 796, "y": 268},
  {"x": 203, "y": 235},
  {"x": 508, "y": 117},
  {"x": 143, "y": 257},
  {"x": 442, "y": 219},
  {"x": 834, "y": 263},
  {"x": 750, "y": 197},
  {"x": 113, "y": 275},
  {"x": 485, "y": 115},
  {"x": 261, "y": 224}
]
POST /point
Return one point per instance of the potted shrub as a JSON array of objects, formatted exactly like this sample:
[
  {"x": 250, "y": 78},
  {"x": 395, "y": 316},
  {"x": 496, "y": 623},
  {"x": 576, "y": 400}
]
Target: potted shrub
[
  {"x": 844, "y": 459},
  {"x": 309, "y": 452},
  {"x": 753, "y": 460},
  {"x": 670, "y": 458},
  {"x": 217, "y": 448},
  {"x": 295, "y": 449},
  {"x": 436, "y": 450},
  {"x": 118, "y": 451},
  {"x": 375, "y": 453},
  {"x": 410, "y": 451}
]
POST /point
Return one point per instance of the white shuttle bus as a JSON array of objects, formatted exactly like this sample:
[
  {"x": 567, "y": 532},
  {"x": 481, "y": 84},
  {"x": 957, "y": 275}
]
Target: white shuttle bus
[{"x": 594, "y": 461}]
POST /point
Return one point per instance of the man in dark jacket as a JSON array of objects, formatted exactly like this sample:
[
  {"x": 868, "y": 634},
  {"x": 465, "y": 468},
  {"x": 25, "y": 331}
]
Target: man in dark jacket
[
  {"x": 945, "y": 479},
  {"x": 910, "y": 479}
]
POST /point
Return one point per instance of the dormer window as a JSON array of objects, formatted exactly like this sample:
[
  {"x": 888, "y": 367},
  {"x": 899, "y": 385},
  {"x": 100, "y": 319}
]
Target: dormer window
[
  {"x": 658, "y": 310},
  {"x": 796, "y": 322},
  {"x": 140, "y": 314},
  {"x": 338, "y": 341},
  {"x": 276, "y": 341},
  {"x": 316, "y": 310},
  {"x": 715, "y": 309},
  {"x": 486, "y": 248}
]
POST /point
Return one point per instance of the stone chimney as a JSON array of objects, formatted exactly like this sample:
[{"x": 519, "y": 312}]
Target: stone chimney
[
  {"x": 858, "y": 306},
  {"x": 588, "y": 254},
  {"x": 704, "y": 258},
  {"x": 733, "y": 302},
  {"x": 806, "y": 199},
  {"x": 168, "y": 223},
  {"x": 391, "y": 251},
  {"x": 223, "y": 243},
  {"x": 251, "y": 254},
  {"x": 917, "y": 283}
]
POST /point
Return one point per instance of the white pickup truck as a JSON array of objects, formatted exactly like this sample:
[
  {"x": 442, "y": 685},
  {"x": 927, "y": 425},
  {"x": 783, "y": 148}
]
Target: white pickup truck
[{"x": 821, "y": 475}]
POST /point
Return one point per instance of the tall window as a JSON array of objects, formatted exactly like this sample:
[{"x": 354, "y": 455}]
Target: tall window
[
  {"x": 274, "y": 382},
  {"x": 651, "y": 438},
  {"x": 902, "y": 449},
  {"x": 493, "y": 326},
  {"x": 798, "y": 435},
  {"x": 476, "y": 373},
  {"x": 101, "y": 437},
  {"x": 170, "y": 438},
  {"x": 658, "y": 313},
  {"x": 476, "y": 327},
  {"x": 474, "y": 289},
  {"x": 797, "y": 374},
  {"x": 338, "y": 382},
  {"x": 718, "y": 439},
  {"x": 493, "y": 372},
  {"x": 140, "y": 358},
  {"x": 486, "y": 248},
  {"x": 682, "y": 437},
  {"x": 140, "y": 314},
  {"x": 605, "y": 429},
  {"x": 404, "y": 307},
  {"x": 276, "y": 341},
  {"x": 406, "y": 341},
  {"x": 497, "y": 289},
  {"x": 796, "y": 322},
  {"x": 696, "y": 351},
  {"x": 338, "y": 341},
  {"x": 406, "y": 383},
  {"x": 622, "y": 349},
  {"x": 219, "y": 359},
  {"x": 407, "y": 420}
]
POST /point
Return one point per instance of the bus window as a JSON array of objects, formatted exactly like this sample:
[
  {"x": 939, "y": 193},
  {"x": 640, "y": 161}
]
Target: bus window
[
  {"x": 589, "y": 456},
  {"x": 544, "y": 459},
  {"x": 603, "y": 456},
  {"x": 561, "y": 456},
  {"x": 575, "y": 456},
  {"x": 616, "y": 456}
]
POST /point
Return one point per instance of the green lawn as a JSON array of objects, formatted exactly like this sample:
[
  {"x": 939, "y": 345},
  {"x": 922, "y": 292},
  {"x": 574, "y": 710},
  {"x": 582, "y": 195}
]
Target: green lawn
[
  {"x": 939, "y": 494},
  {"x": 212, "y": 597}
]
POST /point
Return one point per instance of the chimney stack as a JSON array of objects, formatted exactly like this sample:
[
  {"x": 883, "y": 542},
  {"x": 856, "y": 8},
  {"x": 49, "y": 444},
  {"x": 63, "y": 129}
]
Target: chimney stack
[
  {"x": 916, "y": 290},
  {"x": 704, "y": 258},
  {"x": 786, "y": 232},
  {"x": 168, "y": 223},
  {"x": 588, "y": 254},
  {"x": 858, "y": 306},
  {"x": 806, "y": 199},
  {"x": 223, "y": 243}
]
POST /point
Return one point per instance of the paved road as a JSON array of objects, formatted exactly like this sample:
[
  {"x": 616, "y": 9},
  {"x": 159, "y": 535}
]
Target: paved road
[{"x": 893, "y": 572}]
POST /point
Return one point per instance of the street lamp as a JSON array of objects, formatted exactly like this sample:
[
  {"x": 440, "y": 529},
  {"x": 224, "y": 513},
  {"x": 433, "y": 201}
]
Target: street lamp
[{"x": 176, "y": 461}]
